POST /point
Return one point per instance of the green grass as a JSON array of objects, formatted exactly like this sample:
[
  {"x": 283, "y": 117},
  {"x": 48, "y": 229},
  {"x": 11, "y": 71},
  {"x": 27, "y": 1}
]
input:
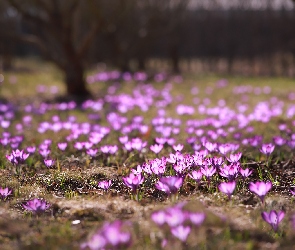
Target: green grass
[{"x": 72, "y": 189}]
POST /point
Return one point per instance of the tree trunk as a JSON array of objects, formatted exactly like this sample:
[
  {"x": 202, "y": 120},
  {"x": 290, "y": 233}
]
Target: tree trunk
[
  {"x": 175, "y": 59},
  {"x": 141, "y": 63},
  {"x": 75, "y": 82}
]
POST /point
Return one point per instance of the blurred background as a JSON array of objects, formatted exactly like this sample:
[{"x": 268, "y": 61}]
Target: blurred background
[{"x": 254, "y": 37}]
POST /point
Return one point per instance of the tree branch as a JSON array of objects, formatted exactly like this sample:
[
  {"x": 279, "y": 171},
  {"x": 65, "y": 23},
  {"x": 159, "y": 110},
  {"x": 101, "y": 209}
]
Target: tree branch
[
  {"x": 26, "y": 14},
  {"x": 84, "y": 45},
  {"x": 32, "y": 39}
]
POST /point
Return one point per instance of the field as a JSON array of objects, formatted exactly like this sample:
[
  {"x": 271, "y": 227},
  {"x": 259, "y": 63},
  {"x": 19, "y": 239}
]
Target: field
[{"x": 173, "y": 151}]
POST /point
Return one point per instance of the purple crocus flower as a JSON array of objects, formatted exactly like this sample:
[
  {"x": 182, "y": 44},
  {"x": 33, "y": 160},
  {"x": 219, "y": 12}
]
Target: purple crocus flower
[
  {"x": 278, "y": 140},
  {"x": 216, "y": 161},
  {"x": 230, "y": 171},
  {"x": 224, "y": 148},
  {"x": 234, "y": 157},
  {"x": 267, "y": 149},
  {"x": 156, "y": 148},
  {"x": 92, "y": 152},
  {"x": 114, "y": 234},
  {"x": 174, "y": 216},
  {"x": 178, "y": 147},
  {"x": 227, "y": 188},
  {"x": 96, "y": 242},
  {"x": 158, "y": 166},
  {"x": 105, "y": 184},
  {"x": 159, "y": 217},
  {"x": 208, "y": 171},
  {"x": 48, "y": 162},
  {"x": 196, "y": 175},
  {"x": 4, "y": 192},
  {"x": 110, "y": 236},
  {"x": 62, "y": 146},
  {"x": 31, "y": 149},
  {"x": 36, "y": 205},
  {"x": 260, "y": 188},
  {"x": 181, "y": 232},
  {"x": 17, "y": 157},
  {"x": 123, "y": 139},
  {"x": 292, "y": 191},
  {"x": 210, "y": 146},
  {"x": 137, "y": 170},
  {"x": 79, "y": 145},
  {"x": 169, "y": 184},
  {"x": 88, "y": 144},
  {"x": 196, "y": 218},
  {"x": 273, "y": 218},
  {"x": 138, "y": 144},
  {"x": 113, "y": 149},
  {"x": 133, "y": 181},
  {"x": 160, "y": 140},
  {"x": 44, "y": 152},
  {"x": 245, "y": 172},
  {"x": 146, "y": 167}
]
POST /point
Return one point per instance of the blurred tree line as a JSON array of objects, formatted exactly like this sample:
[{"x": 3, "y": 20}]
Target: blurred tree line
[{"x": 128, "y": 34}]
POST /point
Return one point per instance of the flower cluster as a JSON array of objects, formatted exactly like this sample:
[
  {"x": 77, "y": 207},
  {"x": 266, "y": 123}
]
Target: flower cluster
[
  {"x": 110, "y": 236},
  {"x": 17, "y": 157},
  {"x": 36, "y": 206},
  {"x": 179, "y": 220}
]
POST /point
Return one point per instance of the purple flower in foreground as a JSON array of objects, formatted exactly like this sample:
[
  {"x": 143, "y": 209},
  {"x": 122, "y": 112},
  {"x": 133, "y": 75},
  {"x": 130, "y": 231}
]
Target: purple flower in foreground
[
  {"x": 227, "y": 188},
  {"x": 17, "y": 157},
  {"x": 36, "y": 205},
  {"x": 110, "y": 236},
  {"x": 181, "y": 232},
  {"x": 114, "y": 235},
  {"x": 196, "y": 218},
  {"x": 267, "y": 149},
  {"x": 273, "y": 218},
  {"x": 169, "y": 184},
  {"x": 159, "y": 217},
  {"x": 174, "y": 216},
  {"x": 4, "y": 192},
  {"x": 96, "y": 242},
  {"x": 48, "y": 162},
  {"x": 105, "y": 184},
  {"x": 260, "y": 188},
  {"x": 133, "y": 181}
]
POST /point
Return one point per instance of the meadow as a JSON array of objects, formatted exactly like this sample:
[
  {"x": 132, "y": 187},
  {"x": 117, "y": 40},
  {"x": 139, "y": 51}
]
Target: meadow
[{"x": 152, "y": 162}]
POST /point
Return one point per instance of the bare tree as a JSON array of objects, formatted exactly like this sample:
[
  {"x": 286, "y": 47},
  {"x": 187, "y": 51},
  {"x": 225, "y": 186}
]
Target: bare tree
[
  {"x": 8, "y": 27},
  {"x": 63, "y": 32}
]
